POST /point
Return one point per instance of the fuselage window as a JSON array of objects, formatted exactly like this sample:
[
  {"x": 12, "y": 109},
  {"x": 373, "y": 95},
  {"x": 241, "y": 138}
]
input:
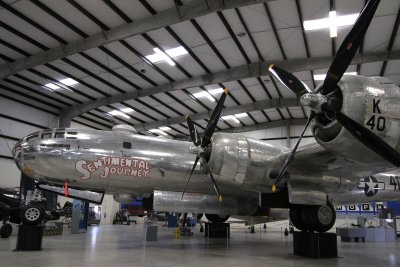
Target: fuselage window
[
  {"x": 34, "y": 136},
  {"x": 127, "y": 145},
  {"x": 72, "y": 135},
  {"x": 46, "y": 135},
  {"x": 59, "y": 135}
]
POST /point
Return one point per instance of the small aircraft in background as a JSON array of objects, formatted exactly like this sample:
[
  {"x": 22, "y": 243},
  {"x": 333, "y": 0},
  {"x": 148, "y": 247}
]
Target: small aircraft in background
[{"x": 354, "y": 119}]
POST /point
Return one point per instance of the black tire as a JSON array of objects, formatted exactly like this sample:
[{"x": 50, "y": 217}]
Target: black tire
[
  {"x": 5, "y": 230},
  {"x": 215, "y": 218},
  {"x": 32, "y": 214},
  {"x": 321, "y": 218},
  {"x": 296, "y": 215}
]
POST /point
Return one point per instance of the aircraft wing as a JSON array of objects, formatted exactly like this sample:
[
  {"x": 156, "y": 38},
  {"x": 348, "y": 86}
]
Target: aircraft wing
[{"x": 313, "y": 162}]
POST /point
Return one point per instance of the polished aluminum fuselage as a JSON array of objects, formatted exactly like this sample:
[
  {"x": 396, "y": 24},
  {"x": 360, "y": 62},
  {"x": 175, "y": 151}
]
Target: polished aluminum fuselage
[{"x": 120, "y": 161}]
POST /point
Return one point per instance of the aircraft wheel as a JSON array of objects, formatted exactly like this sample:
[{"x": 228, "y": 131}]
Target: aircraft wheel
[
  {"x": 215, "y": 218},
  {"x": 321, "y": 218},
  {"x": 297, "y": 218},
  {"x": 5, "y": 230},
  {"x": 32, "y": 214}
]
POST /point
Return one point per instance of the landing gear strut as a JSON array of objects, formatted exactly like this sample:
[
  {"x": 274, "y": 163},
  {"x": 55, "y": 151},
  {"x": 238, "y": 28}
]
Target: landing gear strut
[{"x": 312, "y": 217}]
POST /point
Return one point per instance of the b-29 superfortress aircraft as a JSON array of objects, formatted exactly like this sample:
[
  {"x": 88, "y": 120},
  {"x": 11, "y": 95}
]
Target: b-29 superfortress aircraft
[{"x": 355, "y": 121}]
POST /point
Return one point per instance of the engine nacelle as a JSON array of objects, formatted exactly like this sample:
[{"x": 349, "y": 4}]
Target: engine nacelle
[
  {"x": 242, "y": 161},
  {"x": 124, "y": 198},
  {"x": 372, "y": 102}
]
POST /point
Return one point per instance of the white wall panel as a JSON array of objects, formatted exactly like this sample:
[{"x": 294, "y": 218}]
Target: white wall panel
[
  {"x": 26, "y": 113},
  {"x": 9, "y": 175}
]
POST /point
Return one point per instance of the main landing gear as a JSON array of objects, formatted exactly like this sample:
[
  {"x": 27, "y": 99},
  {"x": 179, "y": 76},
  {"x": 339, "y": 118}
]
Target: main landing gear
[
  {"x": 313, "y": 217},
  {"x": 215, "y": 218}
]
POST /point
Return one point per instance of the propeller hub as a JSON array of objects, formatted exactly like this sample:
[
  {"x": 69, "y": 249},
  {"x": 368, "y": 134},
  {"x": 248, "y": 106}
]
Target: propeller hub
[
  {"x": 313, "y": 101},
  {"x": 197, "y": 150}
]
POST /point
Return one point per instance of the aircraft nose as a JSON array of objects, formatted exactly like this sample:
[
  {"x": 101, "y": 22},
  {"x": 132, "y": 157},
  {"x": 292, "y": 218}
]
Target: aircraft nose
[{"x": 16, "y": 152}]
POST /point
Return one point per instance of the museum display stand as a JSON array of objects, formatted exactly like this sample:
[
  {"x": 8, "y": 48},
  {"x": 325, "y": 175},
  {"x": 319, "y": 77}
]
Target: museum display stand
[
  {"x": 315, "y": 245},
  {"x": 217, "y": 230},
  {"x": 29, "y": 237}
]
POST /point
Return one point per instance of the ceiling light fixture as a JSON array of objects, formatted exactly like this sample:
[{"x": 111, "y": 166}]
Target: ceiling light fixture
[
  {"x": 241, "y": 115},
  {"x": 68, "y": 81},
  {"x": 127, "y": 110},
  {"x": 118, "y": 113},
  {"x": 157, "y": 131},
  {"x": 52, "y": 86},
  {"x": 170, "y": 53},
  {"x": 165, "y": 128},
  {"x": 321, "y": 77},
  {"x": 230, "y": 117},
  {"x": 332, "y": 22},
  {"x": 209, "y": 93}
]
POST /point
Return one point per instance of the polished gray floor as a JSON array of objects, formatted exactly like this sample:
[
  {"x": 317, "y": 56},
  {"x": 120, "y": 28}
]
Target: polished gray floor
[{"x": 123, "y": 245}]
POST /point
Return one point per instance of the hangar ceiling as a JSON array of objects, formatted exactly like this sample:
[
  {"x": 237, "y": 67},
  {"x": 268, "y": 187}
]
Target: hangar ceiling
[{"x": 147, "y": 63}]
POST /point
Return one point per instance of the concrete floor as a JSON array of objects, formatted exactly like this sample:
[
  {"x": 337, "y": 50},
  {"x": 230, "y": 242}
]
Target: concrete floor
[{"x": 122, "y": 245}]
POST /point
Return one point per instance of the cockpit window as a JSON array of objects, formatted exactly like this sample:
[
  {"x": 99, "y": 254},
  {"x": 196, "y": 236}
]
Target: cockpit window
[
  {"x": 59, "y": 135},
  {"x": 72, "y": 135},
  {"x": 46, "y": 135},
  {"x": 31, "y": 137},
  {"x": 127, "y": 145}
]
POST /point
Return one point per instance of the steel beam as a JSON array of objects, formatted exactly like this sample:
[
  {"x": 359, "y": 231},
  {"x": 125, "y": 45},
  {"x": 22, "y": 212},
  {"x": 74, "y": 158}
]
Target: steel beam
[
  {"x": 265, "y": 125},
  {"x": 255, "y": 127},
  {"x": 233, "y": 74},
  {"x": 165, "y": 18},
  {"x": 260, "y": 105}
]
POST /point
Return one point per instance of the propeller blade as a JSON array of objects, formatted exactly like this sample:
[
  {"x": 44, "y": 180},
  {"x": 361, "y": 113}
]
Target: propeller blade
[
  {"x": 289, "y": 80},
  {"x": 190, "y": 176},
  {"x": 291, "y": 155},
  {"x": 212, "y": 123},
  {"x": 212, "y": 179},
  {"x": 369, "y": 139},
  {"x": 349, "y": 47},
  {"x": 194, "y": 135}
]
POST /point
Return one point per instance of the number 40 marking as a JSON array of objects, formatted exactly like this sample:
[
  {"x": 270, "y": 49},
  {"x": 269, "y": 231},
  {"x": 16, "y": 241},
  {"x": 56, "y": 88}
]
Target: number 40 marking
[{"x": 378, "y": 121}]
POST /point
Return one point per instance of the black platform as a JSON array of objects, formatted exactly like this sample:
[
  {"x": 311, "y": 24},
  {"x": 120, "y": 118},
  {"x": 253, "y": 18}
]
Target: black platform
[
  {"x": 217, "y": 230},
  {"x": 29, "y": 238},
  {"x": 315, "y": 245}
]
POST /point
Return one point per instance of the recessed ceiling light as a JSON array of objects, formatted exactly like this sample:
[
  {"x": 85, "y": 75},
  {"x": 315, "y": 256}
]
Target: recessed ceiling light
[
  {"x": 118, "y": 113},
  {"x": 176, "y": 52},
  {"x": 321, "y": 77},
  {"x": 170, "y": 53},
  {"x": 165, "y": 128},
  {"x": 68, "y": 81},
  {"x": 230, "y": 117},
  {"x": 157, "y": 131},
  {"x": 208, "y": 93},
  {"x": 52, "y": 86},
  {"x": 204, "y": 94},
  {"x": 127, "y": 110},
  {"x": 332, "y": 22},
  {"x": 241, "y": 115}
]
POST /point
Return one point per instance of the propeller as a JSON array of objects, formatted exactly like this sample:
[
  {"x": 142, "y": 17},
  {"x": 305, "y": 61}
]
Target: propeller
[
  {"x": 326, "y": 101},
  {"x": 201, "y": 144}
]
